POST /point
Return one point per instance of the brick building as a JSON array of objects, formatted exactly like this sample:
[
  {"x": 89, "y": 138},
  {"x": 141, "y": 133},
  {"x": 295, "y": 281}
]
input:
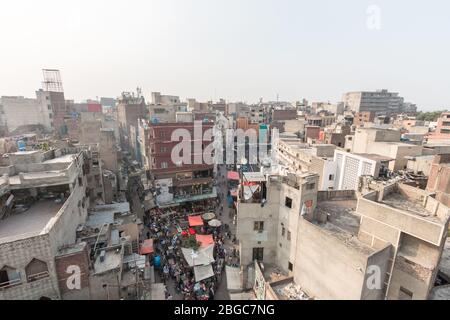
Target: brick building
[{"x": 188, "y": 181}]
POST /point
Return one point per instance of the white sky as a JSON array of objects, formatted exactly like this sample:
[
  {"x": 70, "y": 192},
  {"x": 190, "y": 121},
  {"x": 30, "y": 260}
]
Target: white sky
[{"x": 235, "y": 49}]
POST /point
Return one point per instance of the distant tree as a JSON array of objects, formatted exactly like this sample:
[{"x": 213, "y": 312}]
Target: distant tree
[{"x": 429, "y": 116}]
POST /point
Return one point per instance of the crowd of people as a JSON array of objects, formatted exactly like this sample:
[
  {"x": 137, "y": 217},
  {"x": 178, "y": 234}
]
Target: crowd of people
[
  {"x": 169, "y": 262},
  {"x": 170, "y": 232}
]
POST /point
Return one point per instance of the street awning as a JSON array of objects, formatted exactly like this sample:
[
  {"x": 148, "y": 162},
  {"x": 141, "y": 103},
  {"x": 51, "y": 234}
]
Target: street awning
[
  {"x": 195, "y": 221},
  {"x": 203, "y": 272},
  {"x": 233, "y": 175},
  {"x": 147, "y": 247},
  {"x": 203, "y": 256},
  {"x": 205, "y": 240}
]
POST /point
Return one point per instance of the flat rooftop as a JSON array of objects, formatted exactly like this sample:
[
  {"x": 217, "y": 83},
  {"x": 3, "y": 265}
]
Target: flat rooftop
[
  {"x": 343, "y": 223},
  {"x": 375, "y": 157},
  {"x": 341, "y": 213},
  {"x": 112, "y": 261},
  {"x": 29, "y": 223},
  {"x": 399, "y": 201},
  {"x": 68, "y": 158},
  {"x": 288, "y": 290}
]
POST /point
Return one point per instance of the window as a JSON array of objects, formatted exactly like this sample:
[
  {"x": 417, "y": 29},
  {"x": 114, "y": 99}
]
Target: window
[
  {"x": 36, "y": 270},
  {"x": 162, "y": 134},
  {"x": 258, "y": 226},
  {"x": 49, "y": 107},
  {"x": 80, "y": 181},
  {"x": 331, "y": 177},
  {"x": 288, "y": 202},
  {"x": 9, "y": 277},
  {"x": 310, "y": 186},
  {"x": 258, "y": 254},
  {"x": 405, "y": 294},
  {"x": 163, "y": 149},
  {"x": 290, "y": 266},
  {"x": 289, "y": 236},
  {"x": 283, "y": 231},
  {"x": 164, "y": 165},
  {"x": 50, "y": 115}
]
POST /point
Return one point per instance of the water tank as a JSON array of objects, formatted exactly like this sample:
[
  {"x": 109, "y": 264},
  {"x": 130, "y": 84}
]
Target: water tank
[{"x": 21, "y": 145}]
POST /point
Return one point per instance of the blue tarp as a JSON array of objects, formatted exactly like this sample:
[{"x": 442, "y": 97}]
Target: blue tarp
[{"x": 157, "y": 261}]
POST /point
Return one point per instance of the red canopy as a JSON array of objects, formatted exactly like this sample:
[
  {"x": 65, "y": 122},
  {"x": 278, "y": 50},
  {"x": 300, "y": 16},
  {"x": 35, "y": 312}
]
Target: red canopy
[
  {"x": 195, "y": 221},
  {"x": 147, "y": 247},
  {"x": 233, "y": 175},
  {"x": 205, "y": 240},
  {"x": 192, "y": 231}
]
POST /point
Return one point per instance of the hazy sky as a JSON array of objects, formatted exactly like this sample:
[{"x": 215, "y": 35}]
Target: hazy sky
[{"x": 235, "y": 49}]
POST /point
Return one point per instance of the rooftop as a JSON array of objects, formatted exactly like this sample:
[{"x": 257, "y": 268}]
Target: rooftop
[
  {"x": 71, "y": 249},
  {"x": 342, "y": 222},
  {"x": 29, "y": 223},
  {"x": 68, "y": 158},
  {"x": 399, "y": 201},
  {"x": 375, "y": 157},
  {"x": 112, "y": 261},
  {"x": 341, "y": 213}
]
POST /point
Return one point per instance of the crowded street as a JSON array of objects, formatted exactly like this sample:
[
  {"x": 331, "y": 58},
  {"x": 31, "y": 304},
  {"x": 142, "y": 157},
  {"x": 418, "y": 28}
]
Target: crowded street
[{"x": 172, "y": 233}]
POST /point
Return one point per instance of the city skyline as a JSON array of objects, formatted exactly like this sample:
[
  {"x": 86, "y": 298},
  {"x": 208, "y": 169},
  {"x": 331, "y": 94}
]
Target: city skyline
[{"x": 239, "y": 51}]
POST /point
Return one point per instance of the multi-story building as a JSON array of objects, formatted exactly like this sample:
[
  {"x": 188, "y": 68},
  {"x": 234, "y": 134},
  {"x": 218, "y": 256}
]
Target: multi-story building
[
  {"x": 268, "y": 210},
  {"x": 44, "y": 200},
  {"x": 336, "y": 109},
  {"x": 20, "y": 111},
  {"x": 363, "y": 117},
  {"x": 384, "y": 142},
  {"x": 258, "y": 113},
  {"x": 379, "y": 102},
  {"x": 330, "y": 242},
  {"x": 130, "y": 109},
  {"x": 350, "y": 167},
  {"x": 442, "y": 132},
  {"x": 165, "y": 108},
  {"x": 189, "y": 180},
  {"x": 439, "y": 178},
  {"x": 297, "y": 157},
  {"x": 396, "y": 231}
]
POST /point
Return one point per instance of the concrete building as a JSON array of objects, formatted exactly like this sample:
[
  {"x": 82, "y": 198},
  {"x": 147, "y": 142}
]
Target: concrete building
[
  {"x": 92, "y": 130},
  {"x": 297, "y": 157},
  {"x": 380, "y": 102},
  {"x": 268, "y": 210},
  {"x": 320, "y": 120},
  {"x": 420, "y": 164},
  {"x": 19, "y": 111},
  {"x": 47, "y": 200},
  {"x": 336, "y": 133},
  {"x": 336, "y": 108},
  {"x": 328, "y": 243},
  {"x": 284, "y": 114},
  {"x": 439, "y": 178},
  {"x": 398, "y": 230},
  {"x": 363, "y": 117},
  {"x": 164, "y": 108},
  {"x": 350, "y": 167},
  {"x": 258, "y": 113},
  {"x": 384, "y": 142},
  {"x": 130, "y": 109},
  {"x": 442, "y": 132}
]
